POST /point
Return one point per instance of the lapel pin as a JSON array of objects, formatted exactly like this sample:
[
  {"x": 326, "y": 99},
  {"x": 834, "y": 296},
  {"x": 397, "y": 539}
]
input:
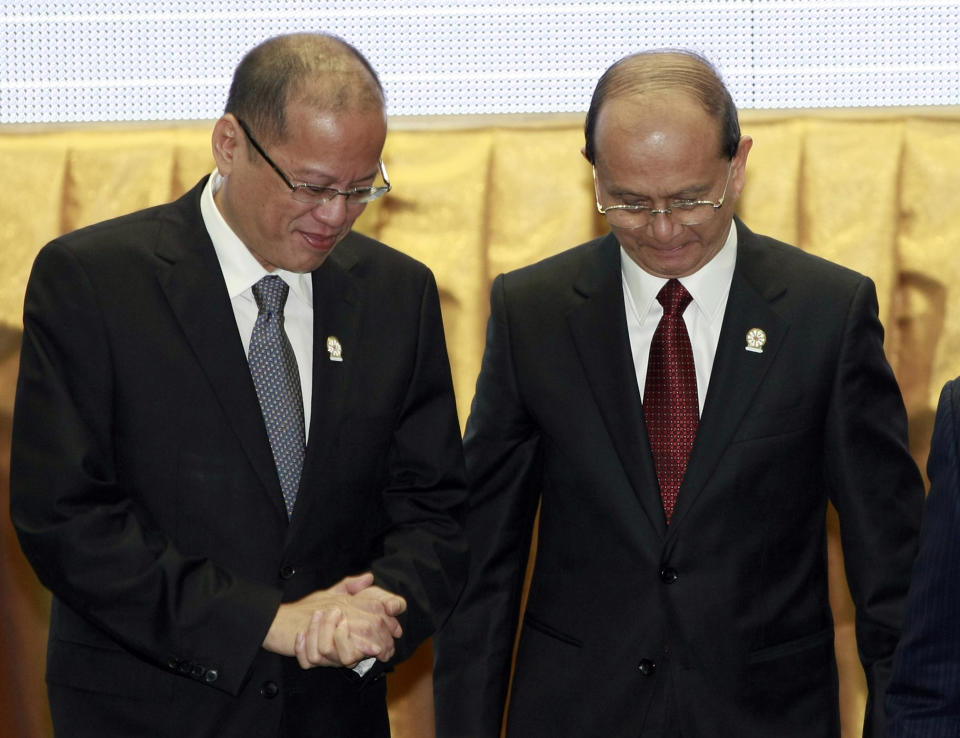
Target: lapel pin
[
  {"x": 334, "y": 348},
  {"x": 756, "y": 338}
]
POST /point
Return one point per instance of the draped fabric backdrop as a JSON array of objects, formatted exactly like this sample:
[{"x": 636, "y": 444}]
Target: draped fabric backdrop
[{"x": 878, "y": 191}]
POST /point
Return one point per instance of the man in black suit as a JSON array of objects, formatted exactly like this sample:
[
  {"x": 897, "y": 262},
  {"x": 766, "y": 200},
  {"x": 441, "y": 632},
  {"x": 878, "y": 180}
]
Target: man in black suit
[
  {"x": 221, "y": 491},
  {"x": 923, "y": 699},
  {"x": 682, "y": 457}
]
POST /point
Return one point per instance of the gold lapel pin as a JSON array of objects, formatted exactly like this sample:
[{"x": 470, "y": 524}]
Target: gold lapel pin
[
  {"x": 334, "y": 348},
  {"x": 756, "y": 338}
]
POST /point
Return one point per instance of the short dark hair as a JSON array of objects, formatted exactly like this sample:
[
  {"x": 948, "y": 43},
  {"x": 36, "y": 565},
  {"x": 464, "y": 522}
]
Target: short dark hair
[
  {"x": 321, "y": 68},
  {"x": 667, "y": 69}
]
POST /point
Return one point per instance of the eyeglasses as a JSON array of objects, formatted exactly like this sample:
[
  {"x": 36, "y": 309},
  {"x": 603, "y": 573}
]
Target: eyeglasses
[
  {"x": 315, "y": 194},
  {"x": 681, "y": 212}
]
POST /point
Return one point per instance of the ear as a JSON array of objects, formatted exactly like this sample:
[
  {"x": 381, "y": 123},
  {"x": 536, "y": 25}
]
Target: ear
[
  {"x": 739, "y": 177},
  {"x": 226, "y": 143},
  {"x": 583, "y": 153}
]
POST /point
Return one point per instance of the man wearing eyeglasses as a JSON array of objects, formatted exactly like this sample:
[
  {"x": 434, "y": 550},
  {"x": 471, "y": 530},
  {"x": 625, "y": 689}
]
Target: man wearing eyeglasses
[
  {"x": 236, "y": 455},
  {"x": 679, "y": 399}
]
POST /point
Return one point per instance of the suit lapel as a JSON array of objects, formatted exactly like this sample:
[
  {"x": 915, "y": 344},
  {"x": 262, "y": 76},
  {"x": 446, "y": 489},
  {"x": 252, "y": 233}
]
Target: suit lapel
[
  {"x": 737, "y": 372},
  {"x": 599, "y": 331},
  {"x": 336, "y": 319},
  {"x": 191, "y": 279}
]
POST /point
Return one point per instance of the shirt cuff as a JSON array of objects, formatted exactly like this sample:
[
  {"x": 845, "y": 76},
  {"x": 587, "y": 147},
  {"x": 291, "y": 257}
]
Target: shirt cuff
[{"x": 364, "y": 666}]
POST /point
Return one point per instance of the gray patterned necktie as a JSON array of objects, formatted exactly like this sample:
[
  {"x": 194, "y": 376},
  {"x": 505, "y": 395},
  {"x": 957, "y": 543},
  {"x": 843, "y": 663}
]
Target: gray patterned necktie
[{"x": 275, "y": 375}]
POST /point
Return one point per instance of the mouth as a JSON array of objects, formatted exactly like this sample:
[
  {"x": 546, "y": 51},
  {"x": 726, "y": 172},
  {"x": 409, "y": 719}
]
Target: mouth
[
  {"x": 667, "y": 249},
  {"x": 319, "y": 242}
]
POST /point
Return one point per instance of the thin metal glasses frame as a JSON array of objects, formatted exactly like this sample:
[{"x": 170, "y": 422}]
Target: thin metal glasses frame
[{"x": 311, "y": 193}]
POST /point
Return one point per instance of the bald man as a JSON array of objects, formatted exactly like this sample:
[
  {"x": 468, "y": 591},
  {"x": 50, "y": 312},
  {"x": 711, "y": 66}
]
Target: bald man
[
  {"x": 236, "y": 456},
  {"x": 681, "y": 398}
]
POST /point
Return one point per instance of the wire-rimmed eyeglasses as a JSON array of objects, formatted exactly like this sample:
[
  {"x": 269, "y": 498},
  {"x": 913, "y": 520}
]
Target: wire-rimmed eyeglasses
[
  {"x": 681, "y": 212},
  {"x": 315, "y": 194}
]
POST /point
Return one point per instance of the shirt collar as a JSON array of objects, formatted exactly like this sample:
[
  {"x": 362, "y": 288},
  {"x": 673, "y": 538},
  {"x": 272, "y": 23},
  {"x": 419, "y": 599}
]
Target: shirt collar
[
  {"x": 709, "y": 285},
  {"x": 240, "y": 269}
]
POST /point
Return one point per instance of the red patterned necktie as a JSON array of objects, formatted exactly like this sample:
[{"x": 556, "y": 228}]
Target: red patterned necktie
[{"x": 670, "y": 406}]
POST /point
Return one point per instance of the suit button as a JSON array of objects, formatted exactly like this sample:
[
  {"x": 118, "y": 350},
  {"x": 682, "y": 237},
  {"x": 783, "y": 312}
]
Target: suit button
[
  {"x": 184, "y": 667},
  {"x": 646, "y": 667},
  {"x": 197, "y": 672},
  {"x": 211, "y": 676},
  {"x": 668, "y": 575},
  {"x": 269, "y": 690},
  {"x": 173, "y": 663},
  {"x": 287, "y": 572}
]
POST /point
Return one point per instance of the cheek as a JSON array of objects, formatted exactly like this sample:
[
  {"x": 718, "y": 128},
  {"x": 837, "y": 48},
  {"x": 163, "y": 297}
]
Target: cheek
[
  {"x": 279, "y": 218},
  {"x": 627, "y": 238},
  {"x": 712, "y": 237}
]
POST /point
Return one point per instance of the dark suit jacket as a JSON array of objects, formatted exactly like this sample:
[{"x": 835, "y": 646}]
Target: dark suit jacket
[
  {"x": 923, "y": 700},
  {"x": 725, "y": 614},
  {"x": 145, "y": 495}
]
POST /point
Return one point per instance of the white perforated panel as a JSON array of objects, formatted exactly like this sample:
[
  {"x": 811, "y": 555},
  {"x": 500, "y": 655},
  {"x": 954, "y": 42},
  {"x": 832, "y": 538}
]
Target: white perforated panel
[{"x": 172, "y": 59}]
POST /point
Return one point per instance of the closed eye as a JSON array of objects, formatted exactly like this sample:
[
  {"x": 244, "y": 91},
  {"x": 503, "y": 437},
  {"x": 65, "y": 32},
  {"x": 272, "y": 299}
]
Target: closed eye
[
  {"x": 328, "y": 193},
  {"x": 318, "y": 190},
  {"x": 634, "y": 202}
]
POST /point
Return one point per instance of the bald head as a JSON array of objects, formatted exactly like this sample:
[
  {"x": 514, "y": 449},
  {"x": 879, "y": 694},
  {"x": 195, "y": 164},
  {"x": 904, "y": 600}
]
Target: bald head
[
  {"x": 652, "y": 72},
  {"x": 319, "y": 70}
]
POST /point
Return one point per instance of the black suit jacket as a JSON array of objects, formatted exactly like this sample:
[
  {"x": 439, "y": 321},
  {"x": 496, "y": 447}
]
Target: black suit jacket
[
  {"x": 723, "y": 619},
  {"x": 923, "y": 700},
  {"x": 145, "y": 495}
]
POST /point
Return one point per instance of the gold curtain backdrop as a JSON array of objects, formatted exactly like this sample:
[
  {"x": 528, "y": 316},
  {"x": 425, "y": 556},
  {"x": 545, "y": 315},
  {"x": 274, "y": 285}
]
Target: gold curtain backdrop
[{"x": 878, "y": 191}]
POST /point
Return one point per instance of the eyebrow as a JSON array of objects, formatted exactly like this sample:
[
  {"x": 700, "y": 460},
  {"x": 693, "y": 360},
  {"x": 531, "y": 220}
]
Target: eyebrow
[
  {"x": 331, "y": 180},
  {"x": 688, "y": 193}
]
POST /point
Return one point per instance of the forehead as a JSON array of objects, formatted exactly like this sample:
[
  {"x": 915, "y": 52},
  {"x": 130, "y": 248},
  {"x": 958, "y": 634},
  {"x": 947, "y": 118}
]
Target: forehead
[
  {"x": 355, "y": 134},
  {"x": 662, "y": 131}
]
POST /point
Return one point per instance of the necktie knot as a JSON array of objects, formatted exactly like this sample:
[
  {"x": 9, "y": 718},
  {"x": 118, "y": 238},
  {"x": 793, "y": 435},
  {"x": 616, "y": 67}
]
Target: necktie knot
[
  {"x": 674, "y": 298},
  {"x": 271, "y": 294}
]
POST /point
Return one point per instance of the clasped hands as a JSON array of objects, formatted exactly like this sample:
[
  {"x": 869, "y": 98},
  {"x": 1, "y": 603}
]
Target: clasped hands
[{"x": 341, "y": 626}]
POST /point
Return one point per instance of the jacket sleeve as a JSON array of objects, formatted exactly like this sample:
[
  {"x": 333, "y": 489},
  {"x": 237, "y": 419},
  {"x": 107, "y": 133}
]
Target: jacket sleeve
[
  {"x": 877, "y": 490},
  {"x": 89, "y": 538},
  {"x": 474, "y": 650},
  {"x": 923, "y": 699},
  {"x": 424, "y": 552}
]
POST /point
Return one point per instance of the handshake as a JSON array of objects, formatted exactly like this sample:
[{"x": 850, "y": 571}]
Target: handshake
[{"x": 341, "y": 626}]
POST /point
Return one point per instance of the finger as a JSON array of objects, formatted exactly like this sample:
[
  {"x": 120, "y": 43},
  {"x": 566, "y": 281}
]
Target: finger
[
  {"x": 392, "y": 604},
  {"x": 347, "y": 653},
  {"x": 355, "y": 584},
  {"x": 318, "y": 649},
  {"x": 326, "y": 652},
  {"x": 396, "y": 630},
  {"x": 373, "y": 636},
  {"x": 300, "y": 651},
  {"x": 388, "y": 629},
  {"x": 395, "y": 605},
  {"x": 311, "y": 654},
  {"x": 374, "y": 605},
  {"x": 387, "y": 652},
  {"x": 386, "y": 598}
]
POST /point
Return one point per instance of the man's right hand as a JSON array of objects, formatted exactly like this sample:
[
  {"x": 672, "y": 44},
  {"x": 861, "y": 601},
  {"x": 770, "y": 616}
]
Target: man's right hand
[{"x": 339, "y": 626}]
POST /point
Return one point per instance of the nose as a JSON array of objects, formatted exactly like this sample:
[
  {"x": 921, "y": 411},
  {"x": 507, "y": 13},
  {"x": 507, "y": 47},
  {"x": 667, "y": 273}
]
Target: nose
[
  {"x": 332, "y": 212},
  {"x": 662, "y": 226}
]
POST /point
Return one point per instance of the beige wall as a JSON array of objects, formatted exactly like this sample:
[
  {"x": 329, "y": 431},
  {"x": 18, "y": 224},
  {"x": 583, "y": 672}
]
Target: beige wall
[{"x": 878, "y": 191}]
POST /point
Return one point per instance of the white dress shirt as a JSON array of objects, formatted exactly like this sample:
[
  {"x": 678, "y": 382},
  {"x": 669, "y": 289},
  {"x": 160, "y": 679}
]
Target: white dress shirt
[
  {"x": 709, "y": 287},
  {"x": 241, "y": 271}
]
